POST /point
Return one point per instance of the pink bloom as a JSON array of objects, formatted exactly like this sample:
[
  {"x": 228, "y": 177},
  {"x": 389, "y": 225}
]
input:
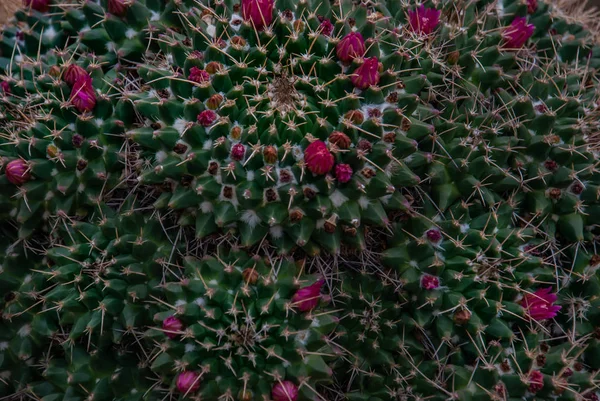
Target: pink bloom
[
  {"x": 350, "y": 47},
  {"x": 326, "y": 27},
  {"x": 539, "y": 305},
  {"x": 433, "y": 235},
  {"x": 5, "y": 87},
  {"x": 171, "y": 325},
  {"x": 188, "y": 382},
  {"x": 37, "y": 5},
  {"x": 367, "y": 74},
  {"x": 207, "y": 118},
  {"x": 532, "y": 6},
  {"x": 285, "y": 391},
  {"x": 307, "y": 298},
  {"x": 318, "y": 159},
  {"x": 424, "y": 20},
  {"x": 17, "y": 172},
  {"x": 536, "y": 381},
  {"x": 83, "y": 96},
  {"x": 198, "y": 75},
  {"x": 237, "y": 151},
  {"x": 517, "y": 34},
  {"x": 118, "y": 7},
  {"x": 74, "y": 73},
  {"x": 429, "y": 282},
  {"x": 258, "y": 12},
  {"x": 343, "y": 172}
]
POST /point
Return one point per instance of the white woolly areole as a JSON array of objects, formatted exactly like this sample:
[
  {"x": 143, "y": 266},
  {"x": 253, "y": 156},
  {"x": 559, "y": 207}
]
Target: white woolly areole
[
  {"x": 180, "y": 125},
  {"x": 250, "y": 217},
  {"x": 206, "y": 207},
  {"x": 200, "y": 301},
  {"x": 363, "y": 202},
  {"x": 276, "y": 231},
  {"x": 50, "y": 33},
  {"x": 161, "y": 155},
  {"x": 207, "y": 145},
  {"x": 338, "y": 198},
  {"x": 24, "y": 331},
  {"x": 130, "y": 33}
]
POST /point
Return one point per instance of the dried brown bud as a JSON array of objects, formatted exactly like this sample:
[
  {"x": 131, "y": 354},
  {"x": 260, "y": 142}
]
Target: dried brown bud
[{"x": 250, "y": 275}]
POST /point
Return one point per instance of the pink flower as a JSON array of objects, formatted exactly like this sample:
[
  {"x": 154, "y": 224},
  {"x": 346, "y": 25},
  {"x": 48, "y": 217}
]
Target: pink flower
[
  {"x": 198, "y": 75},
  {"x": 83, "y": 96},
  {"x": 429, "y": 282},
  {"x": 5, "y": 87},
  {"x": 118, "y": 7},
  {"x": 326, "y": 27},
  {"x": 188, "y": 382},
  {"x": 343, "y": 172},
  {"x": 37, "y": 5},
  {"x": 318, "y": 159},
  {"x": 536, "y": 381},
  {"x": 17, "y": 172},
  {"x": 171, "y": 325},
  {"x": 433, "y": 235},
  {"x": 517, "y": 34},
  {"x": 367, "y": 74},
  {"x": 74, "y": 73},
  {"x": 207, "y": 117},
  {"x": 237, "y": 151},
  {"x": 539, "y": 305},
  {"x": 258, "y": 12},
  {"x": 532, "y": 6},
  {"x": 424, "y": 20},
  {"x": 307, "y": 298},
  {"x": 285, "y": 391},
  {"x": 350, "y": 47}
]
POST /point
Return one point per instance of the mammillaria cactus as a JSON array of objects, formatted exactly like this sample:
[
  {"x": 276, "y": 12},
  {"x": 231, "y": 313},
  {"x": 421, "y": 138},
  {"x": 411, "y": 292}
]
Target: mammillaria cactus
[{"x": 298, "y": 200}]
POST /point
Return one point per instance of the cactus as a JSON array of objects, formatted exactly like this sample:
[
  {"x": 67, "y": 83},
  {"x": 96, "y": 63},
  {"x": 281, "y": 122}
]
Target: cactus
[
  {"x": 240, "y": 327},
  {"x": 181, "y": 182}
]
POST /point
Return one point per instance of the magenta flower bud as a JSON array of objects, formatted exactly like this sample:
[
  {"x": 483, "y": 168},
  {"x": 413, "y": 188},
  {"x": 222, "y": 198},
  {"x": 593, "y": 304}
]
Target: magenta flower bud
[
  {"x": 535, "y": 380},
  {"x": 258, "y": 12},
  {"x": 199, "y": 76},
  {"x": 74, "y": 73},
  {"x": 37, "y": 5},
  {"x": 326, "y": 27},
  {"x": 424, "y": 20},
  {"x": 5, "y": 87},
  {"x": 285, "y": 391},
  {"x": 429, "y": 282},
  {"x": 17, "y": 172},
  {"x": 433, "y": 235},
  {"x": 343, "y": 172},
  {"x": 188, "y": 382},
  {"x": 540, "y": 305},
  {"x": 83, "y": 96},
  {"x": 367, "y": 74},
  {"x": 307, "y": 298},
  {"x": 532, "y": 6},
  {"x": 350, "y": 47},
  {"x": 237, "y": 152},
  {"x": 206, "y": 118},
  {"x": 517, "y": 34},
  {"x": 317, "y": 158},
  {"x": 118, "y": 7},
  {"x": 171, "y": 325}
]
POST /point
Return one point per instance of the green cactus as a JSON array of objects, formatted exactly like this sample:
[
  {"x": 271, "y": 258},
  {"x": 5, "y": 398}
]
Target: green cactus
[
  {"x": 236, "y": 322},
  {"x": 164, "y": 163}
]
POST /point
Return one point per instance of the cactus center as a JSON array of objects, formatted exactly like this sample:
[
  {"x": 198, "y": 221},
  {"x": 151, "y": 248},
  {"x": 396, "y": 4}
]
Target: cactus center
[{"x": 282, "y": 93}]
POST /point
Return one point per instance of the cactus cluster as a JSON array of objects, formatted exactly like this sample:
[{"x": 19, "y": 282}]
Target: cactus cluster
[{"x": 297, "y": 200}]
